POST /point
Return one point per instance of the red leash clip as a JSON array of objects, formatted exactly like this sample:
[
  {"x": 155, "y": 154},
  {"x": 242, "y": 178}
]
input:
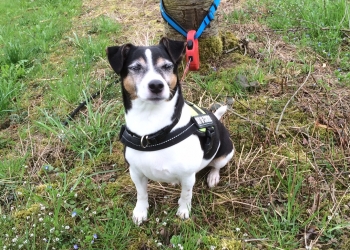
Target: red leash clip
[{"x": 192, "y": 51}]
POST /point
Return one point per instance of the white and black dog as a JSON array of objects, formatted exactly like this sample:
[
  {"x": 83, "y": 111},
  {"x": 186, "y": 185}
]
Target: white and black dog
[{"x": 163, "y": 140}]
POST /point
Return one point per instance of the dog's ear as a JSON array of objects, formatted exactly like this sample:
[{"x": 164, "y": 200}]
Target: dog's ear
[
  {"x": 117, "y": 55},
  {"x": 176, "y": 49}
]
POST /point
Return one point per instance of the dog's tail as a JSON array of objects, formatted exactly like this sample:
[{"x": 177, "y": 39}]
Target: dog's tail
[{"x": 220, "y": 111}]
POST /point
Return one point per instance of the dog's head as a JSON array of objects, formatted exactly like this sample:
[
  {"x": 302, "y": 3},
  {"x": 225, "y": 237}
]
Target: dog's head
[{"x": 147, "y": 73}]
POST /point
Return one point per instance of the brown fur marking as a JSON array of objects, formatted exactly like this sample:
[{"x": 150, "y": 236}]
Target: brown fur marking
[{"x": 129, "y": 86}]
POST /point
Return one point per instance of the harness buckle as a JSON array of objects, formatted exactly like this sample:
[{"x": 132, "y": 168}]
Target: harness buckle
[
  {"x": 142, "y": 141},
  {"x": 192, "y": 51}
]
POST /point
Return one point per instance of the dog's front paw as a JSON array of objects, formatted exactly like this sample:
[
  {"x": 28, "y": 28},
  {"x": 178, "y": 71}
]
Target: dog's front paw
[
  {"x": 213, "y": 177},
  {"x": 183, "y": 212},
  {"x": 140, "y": 212},
  {"x": 139, "y": 215}
]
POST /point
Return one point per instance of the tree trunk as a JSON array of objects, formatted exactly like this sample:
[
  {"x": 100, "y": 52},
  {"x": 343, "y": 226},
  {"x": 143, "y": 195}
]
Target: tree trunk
[{"x": 189, "y": 14}]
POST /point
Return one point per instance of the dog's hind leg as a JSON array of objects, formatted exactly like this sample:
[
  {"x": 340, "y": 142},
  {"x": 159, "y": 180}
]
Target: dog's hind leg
[
  {"x": 186, "y": 196},
  {"x": 216, "y": 164},
  {"x": 140, "y": 211}
]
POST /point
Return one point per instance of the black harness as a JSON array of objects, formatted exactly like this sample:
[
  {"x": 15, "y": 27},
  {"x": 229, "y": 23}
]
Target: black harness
[{"x": 201, "y": 124}]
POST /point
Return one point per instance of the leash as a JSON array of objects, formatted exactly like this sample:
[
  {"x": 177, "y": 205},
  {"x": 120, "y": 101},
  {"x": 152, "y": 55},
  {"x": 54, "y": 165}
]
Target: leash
[
  {"x": 185, "y": 71},
  {"x": 192, "y": 49},
  {"x": 83, "y": 104}
]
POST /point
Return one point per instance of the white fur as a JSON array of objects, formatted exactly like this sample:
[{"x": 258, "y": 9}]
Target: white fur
[
  {"x": 220, "y": 112},
  {"x": 176, "y": 164}
]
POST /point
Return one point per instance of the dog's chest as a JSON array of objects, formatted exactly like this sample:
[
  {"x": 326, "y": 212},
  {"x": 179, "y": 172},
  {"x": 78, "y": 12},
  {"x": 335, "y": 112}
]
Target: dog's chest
[{"x": 170, "y": 164}]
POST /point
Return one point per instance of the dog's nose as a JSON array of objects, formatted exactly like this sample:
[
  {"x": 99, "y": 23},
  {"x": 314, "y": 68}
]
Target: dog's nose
[{"x": 156, "y": 86}]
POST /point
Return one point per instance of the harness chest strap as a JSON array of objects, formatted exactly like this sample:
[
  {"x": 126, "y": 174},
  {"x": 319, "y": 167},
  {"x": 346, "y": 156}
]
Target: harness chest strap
[{"x": 201, "y": 125}]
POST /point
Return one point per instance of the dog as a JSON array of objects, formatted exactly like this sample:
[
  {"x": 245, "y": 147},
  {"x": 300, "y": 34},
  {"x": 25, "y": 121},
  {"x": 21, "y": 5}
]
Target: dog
[{"x": 163, "y": 141}]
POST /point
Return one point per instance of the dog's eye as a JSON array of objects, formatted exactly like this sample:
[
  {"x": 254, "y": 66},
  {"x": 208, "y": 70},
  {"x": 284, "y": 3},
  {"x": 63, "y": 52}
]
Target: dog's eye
[
  {"x": 167, "y": 67},
  {"x": 136, "y": 67}
]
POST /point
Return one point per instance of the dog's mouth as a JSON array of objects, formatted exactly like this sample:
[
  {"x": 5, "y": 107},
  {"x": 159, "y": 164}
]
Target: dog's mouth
[{"x": 155, "y": 98}]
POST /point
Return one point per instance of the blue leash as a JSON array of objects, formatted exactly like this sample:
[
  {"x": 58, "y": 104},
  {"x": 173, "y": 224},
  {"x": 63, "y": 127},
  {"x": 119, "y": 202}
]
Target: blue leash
[{"x": 207, "y": 19}]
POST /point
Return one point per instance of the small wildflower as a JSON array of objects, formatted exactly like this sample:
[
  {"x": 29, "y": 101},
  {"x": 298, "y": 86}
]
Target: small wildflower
[
  {"x": 164, "y": 223},
  {"x": 19, "y": 193},
  {"x": 34, "y": 225},
  {"x": 165, "y": 212},
  {"x": 74, "y": 214},
  {"x": 180, "y": 246},
  {"x": 52, "y": 230},
  {"x": 4, "y": 247},
  {"x": 31, "y": 235},
  {"x": 25, "y": 241},
  {"x": 57, "y": 239},
  {"x": 92, "y": 242},
  {"x": 75, "y": 246},
  {"x": 20, "y": 246},
  {"x": 58, "y": 195},
  {"x": 159, "y": 244},
  {"x": 95, "y": 236},
  {"x": 157, "y": 220},
  {"x": 238, "y": 229},
  {"x": 87, "y": 209},
  {"x": 28, "y": 217},
  {"x": 6, "y": 235},
  {"x": 14, "y": 240},
  {"x": 212, "y": 247},
  {"x": 76, "y": 195},
  {"x": 41, "y": 219},
  {"x": 66, "y": 227},
  {"x": 50, "y": 213},
  {"x": 45, "y": 239},
  {"x": 94, "y": 212}
]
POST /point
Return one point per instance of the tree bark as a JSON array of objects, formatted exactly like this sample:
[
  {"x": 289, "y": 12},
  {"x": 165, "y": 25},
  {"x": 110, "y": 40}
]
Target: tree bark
[{"x": 189, "y": 14}]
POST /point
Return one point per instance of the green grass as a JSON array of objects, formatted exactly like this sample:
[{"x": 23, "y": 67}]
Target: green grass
[
  {"x": 10, "y": 86},
  {"x": 67, "y": 187},
  {"x": 321, "y": 25}
]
